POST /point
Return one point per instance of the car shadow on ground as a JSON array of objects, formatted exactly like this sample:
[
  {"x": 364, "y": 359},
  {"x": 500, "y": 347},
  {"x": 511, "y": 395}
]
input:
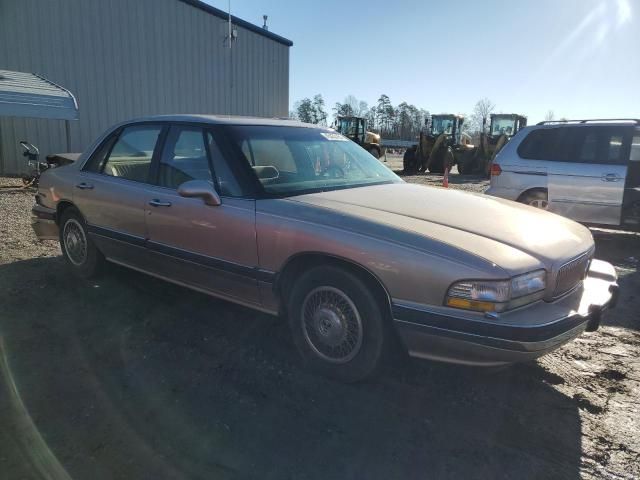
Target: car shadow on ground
[{"x": 132, "y": 377}]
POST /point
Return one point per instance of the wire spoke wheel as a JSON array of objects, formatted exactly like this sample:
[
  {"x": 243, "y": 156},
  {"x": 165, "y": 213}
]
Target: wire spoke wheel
[
  {"x": 331, "y": 324},
  {"x": 75, "y": 242}
]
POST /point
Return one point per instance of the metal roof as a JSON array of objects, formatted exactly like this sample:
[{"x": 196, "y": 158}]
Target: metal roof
[
  {"x": 30, "y": 95},
  {"x": 238, "y": 21}
]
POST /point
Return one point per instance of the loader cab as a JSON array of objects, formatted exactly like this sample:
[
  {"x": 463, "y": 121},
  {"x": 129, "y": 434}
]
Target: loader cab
[
  {"x": 447, "y": 124},
  {"x": 354, "y": 128},
  {"x": 506, "y": 124}
]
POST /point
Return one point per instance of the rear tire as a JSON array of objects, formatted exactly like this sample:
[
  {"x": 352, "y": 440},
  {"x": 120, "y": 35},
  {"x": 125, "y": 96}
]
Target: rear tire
[
  {"x": 465, "y": 166},
  {"x": 536, "y": 198},
  {"x": 79, "y": 251},
  {"x": 409, "y": 161},
  {"x": 337, "y": 324}
]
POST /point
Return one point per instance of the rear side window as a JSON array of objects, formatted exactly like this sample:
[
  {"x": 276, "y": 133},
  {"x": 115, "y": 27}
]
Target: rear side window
[
  {"x": 130, "y": 157},
  {"x": 576, "y": 144},
  {"x": 96, "y": 161},
  {"x": 587, "y": 146},
  {"x": 540, "y": 144},
  {"x": 614, "y": 148},
  {"x": 634, "y": 154}
]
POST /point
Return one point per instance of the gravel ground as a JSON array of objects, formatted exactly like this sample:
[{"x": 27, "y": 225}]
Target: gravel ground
[
  {"x": 131, "y": 377},
  {"x": 470, "y": 183}
]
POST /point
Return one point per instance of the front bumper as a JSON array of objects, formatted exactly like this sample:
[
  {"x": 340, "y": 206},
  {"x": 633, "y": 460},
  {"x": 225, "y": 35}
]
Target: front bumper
[
  {"x": 43, "y": 222},
  {"x": 456, "y": 336}
]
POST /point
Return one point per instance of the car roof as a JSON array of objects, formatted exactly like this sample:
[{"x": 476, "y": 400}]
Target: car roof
[{"x": 224, "y": 120}]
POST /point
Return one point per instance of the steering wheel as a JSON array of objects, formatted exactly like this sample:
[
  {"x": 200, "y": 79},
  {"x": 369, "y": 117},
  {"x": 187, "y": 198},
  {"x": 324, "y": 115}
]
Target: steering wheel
[{"x": 334, "y": 171}]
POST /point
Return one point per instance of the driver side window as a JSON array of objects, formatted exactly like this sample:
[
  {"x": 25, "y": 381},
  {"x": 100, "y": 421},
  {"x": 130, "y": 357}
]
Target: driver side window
[{"x": 184, "y": 157}]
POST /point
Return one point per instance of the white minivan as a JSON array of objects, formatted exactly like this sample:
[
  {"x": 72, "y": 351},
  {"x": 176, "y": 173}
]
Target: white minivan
[{"x": 587, "y": 170}]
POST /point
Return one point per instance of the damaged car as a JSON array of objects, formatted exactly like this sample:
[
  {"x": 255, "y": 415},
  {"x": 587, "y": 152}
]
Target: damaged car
[{"x": 296, "y": 220}]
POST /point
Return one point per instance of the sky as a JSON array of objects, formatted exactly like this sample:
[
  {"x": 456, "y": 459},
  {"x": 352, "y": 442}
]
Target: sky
[{"x": 579, "y": 58}]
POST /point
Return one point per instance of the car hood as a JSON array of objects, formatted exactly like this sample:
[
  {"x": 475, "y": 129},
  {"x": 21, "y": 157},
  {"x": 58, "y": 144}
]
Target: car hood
[{"x": 506, "y": 233}]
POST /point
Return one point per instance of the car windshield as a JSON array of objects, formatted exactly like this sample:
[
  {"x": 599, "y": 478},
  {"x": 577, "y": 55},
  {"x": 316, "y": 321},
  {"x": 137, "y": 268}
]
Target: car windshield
[
  {"x": 296, "y": 160},
  {"x": 501, "y": 126},
  {"x": 442, "y": 125}
]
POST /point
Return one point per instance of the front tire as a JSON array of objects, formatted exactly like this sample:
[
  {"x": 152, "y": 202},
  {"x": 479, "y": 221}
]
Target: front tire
[
  {"x": 79, "y": 251},
  {"x": 338, "y": 325},
  {"x": 465, "y": 166}
]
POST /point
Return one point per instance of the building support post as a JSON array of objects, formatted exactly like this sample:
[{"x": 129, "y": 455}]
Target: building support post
[{"x": 67, "y": 131}]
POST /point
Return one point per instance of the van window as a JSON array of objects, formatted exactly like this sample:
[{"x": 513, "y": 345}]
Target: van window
[
  {"x": 588, "y": 150},
  {"x": 614, "y": 149},
  {"x": 634, "y": 155},
  {"x": 601, "y": 145},
  {"x": 540, "y": 144},
  {"x": 576, "y": 144}
]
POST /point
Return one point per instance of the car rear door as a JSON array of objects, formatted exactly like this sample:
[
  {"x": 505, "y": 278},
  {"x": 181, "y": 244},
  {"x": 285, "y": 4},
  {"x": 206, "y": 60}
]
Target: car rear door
[
  {"x": 586, "y": 177},
  {"x": 111, "y": 189},
  {"x": 208, "y": 247}
]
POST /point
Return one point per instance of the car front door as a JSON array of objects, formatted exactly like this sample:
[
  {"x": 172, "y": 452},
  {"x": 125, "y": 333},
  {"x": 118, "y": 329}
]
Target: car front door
[
  {"x": 111, "y": 189},
  {"x": 587, "y": 181},
  {"x": 208, "y": 247}
]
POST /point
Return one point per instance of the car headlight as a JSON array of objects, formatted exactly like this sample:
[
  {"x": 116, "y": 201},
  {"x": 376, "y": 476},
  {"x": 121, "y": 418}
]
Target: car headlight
[
  {"x": 497, "y": 295},
  {"x": 528, "y": 283}
]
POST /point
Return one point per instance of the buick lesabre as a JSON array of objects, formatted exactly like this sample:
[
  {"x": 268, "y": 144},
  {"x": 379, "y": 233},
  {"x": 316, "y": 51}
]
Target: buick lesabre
[{"x": 296, "y": 220}]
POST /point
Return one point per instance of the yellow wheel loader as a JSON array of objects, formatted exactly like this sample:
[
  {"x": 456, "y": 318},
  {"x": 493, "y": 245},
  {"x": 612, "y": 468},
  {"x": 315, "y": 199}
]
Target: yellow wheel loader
[
  {"x": 502, "y": 127},
  {"x": 355, "y": 128},
  {"x": 439, "y": 146}
]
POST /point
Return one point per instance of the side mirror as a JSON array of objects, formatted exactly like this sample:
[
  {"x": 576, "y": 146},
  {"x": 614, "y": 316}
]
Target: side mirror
[
  {"x": 266, "y": 172},
  {"x": 200, "y": 189}
]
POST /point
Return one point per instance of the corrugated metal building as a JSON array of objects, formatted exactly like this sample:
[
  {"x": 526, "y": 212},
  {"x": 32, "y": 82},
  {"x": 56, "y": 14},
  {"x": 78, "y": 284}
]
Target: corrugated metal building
[{"x": 127, "y": 58}]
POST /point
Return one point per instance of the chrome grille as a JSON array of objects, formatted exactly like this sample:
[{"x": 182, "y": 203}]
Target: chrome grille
[{"x": 571, "y": 274}]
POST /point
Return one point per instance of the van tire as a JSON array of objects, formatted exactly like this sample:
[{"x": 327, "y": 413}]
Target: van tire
[{"x": 536, "y": 198}]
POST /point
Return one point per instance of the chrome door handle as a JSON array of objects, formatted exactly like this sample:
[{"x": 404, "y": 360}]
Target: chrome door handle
[
  {"x": 159, "y": 203},
  {"x": 84, "y": 186},
  {"x": 610, "y": 177}
]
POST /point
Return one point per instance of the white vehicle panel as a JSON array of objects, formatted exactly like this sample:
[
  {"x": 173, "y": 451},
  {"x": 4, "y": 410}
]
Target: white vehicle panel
[{"x": 587, "y": 192}]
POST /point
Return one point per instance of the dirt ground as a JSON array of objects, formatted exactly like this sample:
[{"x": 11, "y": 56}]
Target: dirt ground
[{"x": 130, "y": 377}]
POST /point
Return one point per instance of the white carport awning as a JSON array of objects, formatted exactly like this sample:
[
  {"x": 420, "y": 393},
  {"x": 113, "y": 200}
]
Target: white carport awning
[{"x": 30, "y": 95}]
